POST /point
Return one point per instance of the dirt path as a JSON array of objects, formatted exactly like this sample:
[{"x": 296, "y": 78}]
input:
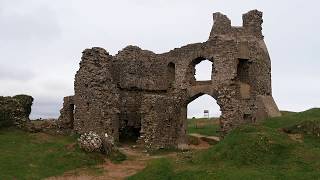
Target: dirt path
[{"x": 137, "y": 160}]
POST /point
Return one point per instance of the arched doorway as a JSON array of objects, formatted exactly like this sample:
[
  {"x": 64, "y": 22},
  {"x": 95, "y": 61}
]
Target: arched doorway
[{"x": 197, "y": 121}]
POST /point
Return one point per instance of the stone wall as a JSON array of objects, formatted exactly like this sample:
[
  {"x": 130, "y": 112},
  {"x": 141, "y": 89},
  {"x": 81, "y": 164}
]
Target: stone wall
[
  {"x": 15, "y": 111},
  {"x": 66, "y": 118},
  {"x": 139, "y": 90},
  {"x": 96, "y": 96}
]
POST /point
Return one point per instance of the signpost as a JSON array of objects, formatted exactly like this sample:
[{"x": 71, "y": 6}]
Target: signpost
[{"x": 206, "y": 114}]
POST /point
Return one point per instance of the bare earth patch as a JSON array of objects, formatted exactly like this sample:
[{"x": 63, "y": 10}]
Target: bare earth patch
[
  {"x": 296, "y": 137},
  {"x": 137, "y": 160}
]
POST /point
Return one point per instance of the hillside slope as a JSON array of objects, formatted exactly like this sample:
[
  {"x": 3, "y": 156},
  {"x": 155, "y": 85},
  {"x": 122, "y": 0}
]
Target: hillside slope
[{"x": 286, "y": 147}]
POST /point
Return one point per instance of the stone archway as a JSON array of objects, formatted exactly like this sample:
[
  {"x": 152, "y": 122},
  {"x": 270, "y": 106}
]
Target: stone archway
[
  {"x": 213, "y": 96},
  {"x": 198, "y": 104},
  {"x": 182, "y": 135}
]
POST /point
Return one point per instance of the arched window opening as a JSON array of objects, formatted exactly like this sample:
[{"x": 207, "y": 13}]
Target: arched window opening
[
  {"x": 198, "y": 120},
  {"x": 203, "y": 70},
  {"x": 171, "y": 74}
]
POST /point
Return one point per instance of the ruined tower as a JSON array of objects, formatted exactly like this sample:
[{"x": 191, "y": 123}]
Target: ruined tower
[{"x": 145, "y": 95}]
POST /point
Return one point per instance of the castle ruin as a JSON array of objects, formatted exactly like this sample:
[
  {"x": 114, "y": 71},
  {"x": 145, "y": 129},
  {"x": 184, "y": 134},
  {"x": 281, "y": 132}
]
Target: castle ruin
[{"x": 145, "y": 95}]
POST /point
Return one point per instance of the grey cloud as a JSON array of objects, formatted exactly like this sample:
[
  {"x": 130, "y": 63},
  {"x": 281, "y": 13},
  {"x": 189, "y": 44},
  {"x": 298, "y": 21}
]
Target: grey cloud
[
  {"x": 15, "y": 73},
  {"x": 27, "y": 24},
  {"x": 46, "y": 107},
  {"x": 43, "y": 40},
  {"x": 56, "y": 86}
]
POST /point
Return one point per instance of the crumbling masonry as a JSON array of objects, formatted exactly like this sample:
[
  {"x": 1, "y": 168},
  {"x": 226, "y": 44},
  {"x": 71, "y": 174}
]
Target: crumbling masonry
[{"x": 138, "y": 93}]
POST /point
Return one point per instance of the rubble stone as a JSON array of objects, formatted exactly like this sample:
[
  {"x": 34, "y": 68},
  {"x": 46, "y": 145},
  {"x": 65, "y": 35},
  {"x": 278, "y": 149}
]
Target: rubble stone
[{"x": 90, "y": 142}]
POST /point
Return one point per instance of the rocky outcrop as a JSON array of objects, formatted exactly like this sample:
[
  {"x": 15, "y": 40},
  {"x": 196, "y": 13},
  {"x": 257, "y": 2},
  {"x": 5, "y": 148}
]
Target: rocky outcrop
[{"x": 15, "y": 111}]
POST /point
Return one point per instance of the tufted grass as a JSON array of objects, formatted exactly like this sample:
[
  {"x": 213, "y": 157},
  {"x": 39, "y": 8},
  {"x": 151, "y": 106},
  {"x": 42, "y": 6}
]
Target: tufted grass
[
  {"x": 36, "y": 156},
  {"x": 260, "y": 151}
]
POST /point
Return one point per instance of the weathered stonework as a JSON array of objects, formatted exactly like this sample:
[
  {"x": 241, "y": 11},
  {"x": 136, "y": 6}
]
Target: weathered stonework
[
  {"x": 140, "y": 93},
  {"x": 15, "y": 111},
  {"x": 66, "y": 118}
]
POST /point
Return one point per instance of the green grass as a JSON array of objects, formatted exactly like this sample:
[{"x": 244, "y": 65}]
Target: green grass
[
  {"x": 260, "y": 151},
  {"x": 157, "y": 169},
  {"x": 290, "y": 119},
  {"x": 36, "y": 156},
  {"x": 206, "y": 127}
]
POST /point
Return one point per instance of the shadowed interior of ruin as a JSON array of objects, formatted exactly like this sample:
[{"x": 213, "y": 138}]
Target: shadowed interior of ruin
[
  {"x": 243, "y": 71},
  {"x": 171, "y": 69},
  {"x": 129, "y": 134},
  {"x": 130, "y": 121}
]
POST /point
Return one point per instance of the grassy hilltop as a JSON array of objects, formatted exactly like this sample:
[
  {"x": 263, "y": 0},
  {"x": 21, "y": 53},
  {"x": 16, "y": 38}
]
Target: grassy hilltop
[{"x": 286, "y": 147}]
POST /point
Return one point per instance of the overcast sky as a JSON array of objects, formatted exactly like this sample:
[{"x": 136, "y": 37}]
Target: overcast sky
[{"x": 41, "y": 43}]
